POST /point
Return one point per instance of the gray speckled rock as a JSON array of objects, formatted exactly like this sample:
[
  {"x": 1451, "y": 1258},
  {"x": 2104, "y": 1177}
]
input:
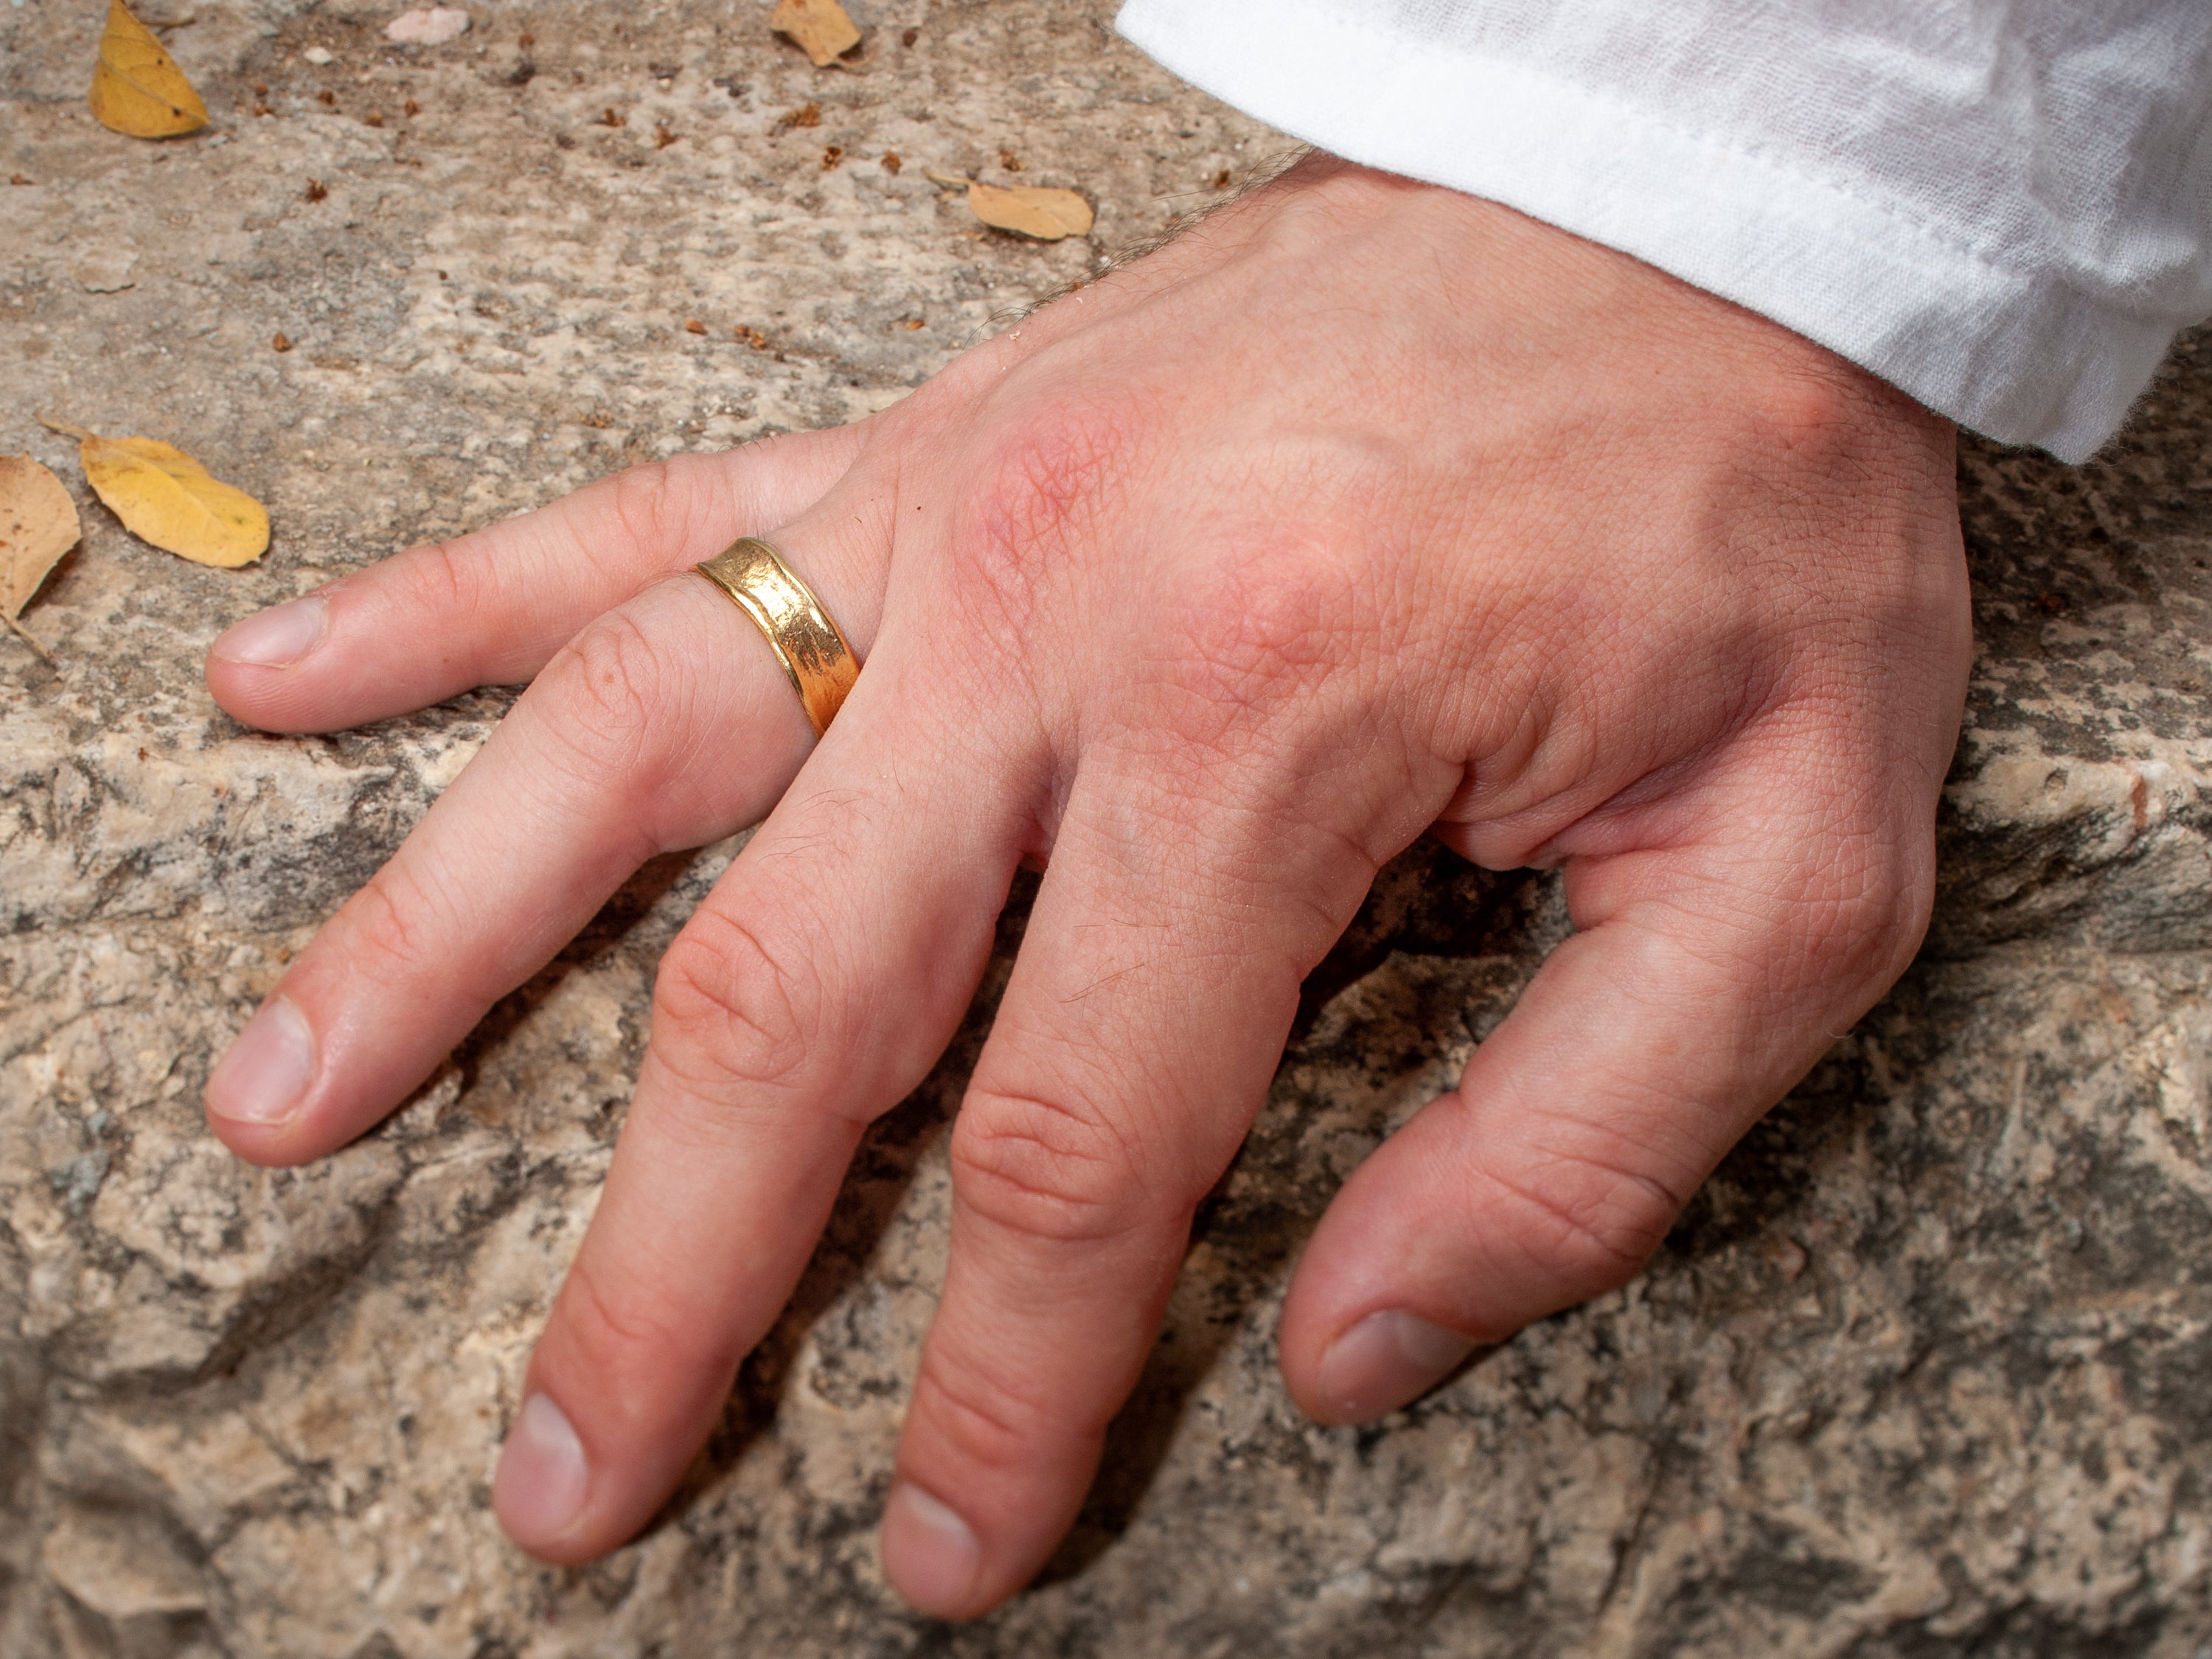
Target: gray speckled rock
[{"x": 1926, "y": 1370}]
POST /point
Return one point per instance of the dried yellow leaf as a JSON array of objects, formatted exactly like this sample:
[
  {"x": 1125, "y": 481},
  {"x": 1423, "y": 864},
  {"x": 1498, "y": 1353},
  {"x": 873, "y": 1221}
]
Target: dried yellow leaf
[
  {"x": 820, "y": 27},
  {"x": 1032, "y": 209},
  {"x": 166, "y": 497},
  {"x": 136, "y": 87},
  {"x": 38, "y": 524}
]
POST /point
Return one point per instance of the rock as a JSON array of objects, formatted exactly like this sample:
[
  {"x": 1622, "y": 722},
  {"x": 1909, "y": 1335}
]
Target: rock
[
  {"x": 427, "y": 26},
  {"x": 1926, "y": 1369},
  {"x": 106, "y": 270}
]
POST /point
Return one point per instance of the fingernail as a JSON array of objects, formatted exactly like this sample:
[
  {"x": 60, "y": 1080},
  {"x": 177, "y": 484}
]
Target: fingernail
[
  {"x": 930, "y": 1555},
  {"x": 1385, "y": 1360},
  {"x": 276, "y": 637},
  {"x": 265, "y": 1075},
  {"x": 538, "y": 1490}
]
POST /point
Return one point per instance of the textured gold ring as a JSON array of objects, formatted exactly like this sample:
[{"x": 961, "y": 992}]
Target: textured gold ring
[{"x": 814, "y": 654}]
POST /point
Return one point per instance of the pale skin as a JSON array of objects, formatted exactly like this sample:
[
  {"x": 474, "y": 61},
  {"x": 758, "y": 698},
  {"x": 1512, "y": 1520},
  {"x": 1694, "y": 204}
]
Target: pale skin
[{"x": 1366, "y": 509}]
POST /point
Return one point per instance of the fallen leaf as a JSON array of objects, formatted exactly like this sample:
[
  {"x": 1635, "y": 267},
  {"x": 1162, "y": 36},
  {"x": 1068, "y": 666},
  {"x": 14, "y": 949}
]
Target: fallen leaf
[
  {"x": 136, "y": 87},
  {"x": 166, "y": 497},
  {"x": 427, "y": 26},
  {"x": 38, "y": 524},
  {"x": 820, "y": 28},
  {"x": 1032, "y": 209}
]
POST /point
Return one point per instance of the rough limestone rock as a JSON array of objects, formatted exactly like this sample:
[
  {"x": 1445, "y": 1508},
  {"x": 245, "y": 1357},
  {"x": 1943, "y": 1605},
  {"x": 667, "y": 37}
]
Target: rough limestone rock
[{"x": 1926, "y": 1370}]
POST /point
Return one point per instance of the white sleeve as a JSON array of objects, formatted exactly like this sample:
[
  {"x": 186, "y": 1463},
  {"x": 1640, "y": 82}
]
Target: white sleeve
[{"x": 2003, "y": 207}]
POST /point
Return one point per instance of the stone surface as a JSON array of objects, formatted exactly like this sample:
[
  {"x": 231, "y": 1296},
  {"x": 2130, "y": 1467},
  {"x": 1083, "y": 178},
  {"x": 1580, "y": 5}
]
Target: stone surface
[{"x": 1926, "y": 1370}]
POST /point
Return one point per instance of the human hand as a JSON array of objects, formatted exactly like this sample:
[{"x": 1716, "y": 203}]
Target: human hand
[{"x": 1363, "y": 509}]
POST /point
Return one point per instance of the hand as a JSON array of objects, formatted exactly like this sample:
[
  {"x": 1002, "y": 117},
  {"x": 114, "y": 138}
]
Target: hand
[{"x": 1363, "y": 509}]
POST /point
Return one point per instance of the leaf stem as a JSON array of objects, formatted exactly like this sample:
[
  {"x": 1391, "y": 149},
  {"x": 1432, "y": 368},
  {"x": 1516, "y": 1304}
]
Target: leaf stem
[
  {"x": 77, "y": 432},
  {"x": 26, "y": 636}
]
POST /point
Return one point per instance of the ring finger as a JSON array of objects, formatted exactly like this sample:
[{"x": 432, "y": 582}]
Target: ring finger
[{"x": 664, "y": 724}]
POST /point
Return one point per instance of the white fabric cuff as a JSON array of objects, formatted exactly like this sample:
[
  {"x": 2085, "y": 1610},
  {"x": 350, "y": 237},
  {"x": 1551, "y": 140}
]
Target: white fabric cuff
[{"x": 2018, "y": 353}]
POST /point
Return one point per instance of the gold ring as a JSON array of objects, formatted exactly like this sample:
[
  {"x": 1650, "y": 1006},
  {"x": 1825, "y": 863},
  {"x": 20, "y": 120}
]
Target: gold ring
[{"x": 805, "y": 641}]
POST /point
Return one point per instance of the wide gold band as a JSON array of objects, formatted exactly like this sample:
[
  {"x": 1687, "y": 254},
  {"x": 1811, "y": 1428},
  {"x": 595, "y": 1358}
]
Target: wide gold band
[{"x": 805, "y": 641}]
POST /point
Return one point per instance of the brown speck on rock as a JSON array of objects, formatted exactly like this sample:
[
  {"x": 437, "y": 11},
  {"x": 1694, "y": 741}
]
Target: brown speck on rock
[
  {"x": 663, "y": 136},
  {"x": 908, "y": 36},
  {"x": 1221, "y": 179},
  {"x": 327, "y": 98},
  {"x": 374, "y": 118},
  {"x": 317, "y": 190},
  {"x": 17, "y": 179},
  {"x": 1008, "y": 159},
  {"x": 609, "y": 119},
  {"x": 2049, "y": 603},
  {"x": 693, "y": 326},
  {"x": 807, "y": 115},
  {"x": 526, "y": 40},
  {"x": 411, "y": 107},
  {"x": 891, "y": 161},
  {"x": 831, "y": 155},
  {"x": 1785, "y": 1255},
  {"x": 281, "y": 342}
]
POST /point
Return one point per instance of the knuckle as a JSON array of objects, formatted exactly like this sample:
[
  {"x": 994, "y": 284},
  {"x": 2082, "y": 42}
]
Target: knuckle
[
  {"x": 448, "y": 579},
  {"x": 1268, "y": 618},
  {"x": 733, "y": 1006},
  {"x": 1865, "y": 907},
  {"x": 609, "y": 1333},
  {"x": 609, "y": 685},
  {"x": 650, "y": 505},
  {"x": 1050, "y": 1171},
  {"x": 1044, "y": 478},
  {"x": 981, "y": 1410},
  {"x": 391, "y": 922},
  {"x": 1591, "y": 1223}
]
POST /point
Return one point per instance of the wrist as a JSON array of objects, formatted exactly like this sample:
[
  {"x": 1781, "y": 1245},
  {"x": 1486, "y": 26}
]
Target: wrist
[{"x": 1489, "y": 254}]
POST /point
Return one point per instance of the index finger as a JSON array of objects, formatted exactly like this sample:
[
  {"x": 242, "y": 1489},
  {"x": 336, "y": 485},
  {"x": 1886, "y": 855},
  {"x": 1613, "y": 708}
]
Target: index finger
[{"x": 491, "y": 607}]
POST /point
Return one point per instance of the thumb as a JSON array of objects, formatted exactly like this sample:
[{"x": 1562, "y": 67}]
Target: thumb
[{"x": 1705, "y": 980}]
